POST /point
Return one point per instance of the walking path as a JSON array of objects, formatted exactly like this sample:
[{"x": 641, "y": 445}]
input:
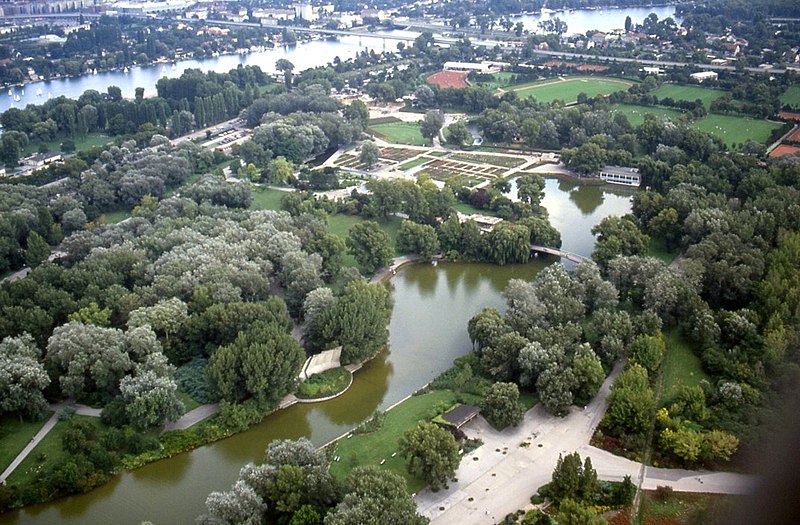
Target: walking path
[
  {"x": 397, "y": 262},
  {"x": 46, "y": 428},
  {"x": 193, "y": 417},
  {"x": 500, "y": 476}
]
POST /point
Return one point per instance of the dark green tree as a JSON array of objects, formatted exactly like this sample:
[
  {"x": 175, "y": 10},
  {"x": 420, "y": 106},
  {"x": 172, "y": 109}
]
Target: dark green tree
[
  {"x": 369, "y": 244},
  {"x": 432, "y": 453}
]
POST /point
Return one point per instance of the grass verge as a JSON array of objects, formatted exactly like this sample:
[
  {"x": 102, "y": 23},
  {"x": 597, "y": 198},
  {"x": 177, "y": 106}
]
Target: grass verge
[
  {"x": 49, "y": 450},
  {"x": 372, "y": 448},
  {"x": 14, "y": 435},
  {"x": 682, "y": 508},
  {"x": 735, "y": 131},
  {"x": 266, "y": 199}
]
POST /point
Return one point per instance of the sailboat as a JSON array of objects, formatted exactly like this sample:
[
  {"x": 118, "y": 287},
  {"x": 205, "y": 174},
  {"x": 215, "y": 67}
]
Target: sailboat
[
  {"x": 94, "y": 71},
  {"x": 17, "y": 98},
  {"x": 39, "y": 92},
  {"x": 125, "y": 70},
  {"x": 163, "y": 69},
  {"x": 49, "y": 95},
  {"x": 10, "y": 94},
  {"x": 174, "y": 67}
]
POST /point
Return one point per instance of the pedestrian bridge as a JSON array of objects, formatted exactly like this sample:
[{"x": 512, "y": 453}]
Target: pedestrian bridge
[{"x": 574, "y": 257}]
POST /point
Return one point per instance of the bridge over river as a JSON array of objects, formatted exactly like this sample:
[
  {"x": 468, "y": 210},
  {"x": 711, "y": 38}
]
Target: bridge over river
[{"x": 574, "y": 257}]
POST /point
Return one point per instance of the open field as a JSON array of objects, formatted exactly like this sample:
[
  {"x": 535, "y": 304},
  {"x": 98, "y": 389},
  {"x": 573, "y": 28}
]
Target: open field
[
  {"x": 569, "y": 88},
  {"x": 400, "y": 133},
  {"x": 501, "y": 79},
  {"x": 49, "y": 447},
  {"x": 14, "y": 435},
  {"x": 372, "y": 448},
  {"x": 736, "y": 130},
  {"x": 658, "y": 249},
  {"x": 689, "y": 93},
  {"x": 791, "y": 97},
  {"x": 682, "y": 367},
  {"x": 267, "y": 199},
  {"x": 89, "y": 141},
  {"x": 636, "y": 114}
]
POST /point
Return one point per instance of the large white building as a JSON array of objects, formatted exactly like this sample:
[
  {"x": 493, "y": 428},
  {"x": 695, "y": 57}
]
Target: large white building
[
  {"x": 621, "y": 175},
  {"x": 704, "y": 75}
]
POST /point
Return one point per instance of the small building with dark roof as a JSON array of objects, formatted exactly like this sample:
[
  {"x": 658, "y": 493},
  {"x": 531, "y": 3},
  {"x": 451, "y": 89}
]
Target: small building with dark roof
[{"x": 460, "y": 415}]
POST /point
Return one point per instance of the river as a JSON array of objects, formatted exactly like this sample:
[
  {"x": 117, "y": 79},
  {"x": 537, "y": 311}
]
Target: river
[
  {"x": 607, "y": 19},
  {"x": 303, "y": 56},
  {"x": 428, "y": 329}
]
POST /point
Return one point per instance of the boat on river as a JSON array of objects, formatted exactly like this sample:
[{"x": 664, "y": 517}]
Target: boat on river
[{"x": 39, "y": 92}]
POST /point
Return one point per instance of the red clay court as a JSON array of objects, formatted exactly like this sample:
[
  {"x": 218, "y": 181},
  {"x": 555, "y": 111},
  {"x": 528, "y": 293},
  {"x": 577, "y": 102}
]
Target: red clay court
[
  {"x": 794, "y": 137},
  {"x": 784, "y": 149},
  {"x": 449, "y": 79}
]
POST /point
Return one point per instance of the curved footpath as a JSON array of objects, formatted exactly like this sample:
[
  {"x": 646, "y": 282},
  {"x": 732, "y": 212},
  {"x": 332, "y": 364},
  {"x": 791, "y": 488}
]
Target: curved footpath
[{"x": 500, "y": 476}]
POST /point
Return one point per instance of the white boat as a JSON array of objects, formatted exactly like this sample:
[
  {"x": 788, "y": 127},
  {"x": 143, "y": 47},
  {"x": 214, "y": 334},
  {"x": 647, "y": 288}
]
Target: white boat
[
  {"x": 163, "y": 69},
  {"x": 23, "y": 93},
  {"x": 39, "y": 92},
  {"x": 94, "y": 71},
  {"x": 17, "y": 98},
  {"x": 10, "y": 94},
  {"x": 174, "y": 67},
  {"x": 125, "y": 70},
  {"x": 49, "y": 95}
]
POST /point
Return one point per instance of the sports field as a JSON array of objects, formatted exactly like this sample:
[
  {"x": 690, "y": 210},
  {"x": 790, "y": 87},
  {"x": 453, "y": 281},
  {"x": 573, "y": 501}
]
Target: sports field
[
  {"x": 736, "y": 130},
  {"x": 400, "y": 133},
  {"x": 636, "y": 114},
  {"x": 568, "y": 88},
  {"x": 689, "y": 93},
  {"x": 791, "y": 97}
]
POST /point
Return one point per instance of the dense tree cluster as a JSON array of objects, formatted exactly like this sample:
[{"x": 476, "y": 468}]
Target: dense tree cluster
[{"x": 293, "y": 485}]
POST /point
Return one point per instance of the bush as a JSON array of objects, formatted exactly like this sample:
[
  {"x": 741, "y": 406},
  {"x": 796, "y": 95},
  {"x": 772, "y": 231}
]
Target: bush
[
  {"x": 325, "y": 384},
  {"x": 663, "y": 493},
  {"x": 372, "y": 424},
  {"x": 191, "y": 378},
  {"x": 237, "y": 417}
]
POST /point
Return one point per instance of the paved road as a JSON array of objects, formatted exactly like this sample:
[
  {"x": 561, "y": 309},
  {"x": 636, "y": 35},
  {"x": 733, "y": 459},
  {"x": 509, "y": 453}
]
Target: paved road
[{"x": 500, "y": 476}]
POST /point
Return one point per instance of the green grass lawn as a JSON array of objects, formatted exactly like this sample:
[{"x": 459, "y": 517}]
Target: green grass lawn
[
  {"x": 189, "y": 402},
  {"x": 49, "y": 448},
  {"x": 15, "y": 435},
  {"x": 325, "y": 384},
  {"x": 658, "y": 249},
  {"x": 400, "y": 133},
  {"x": 501, "y": 79},
  {"x": 340, "y": 225},
  {"x": 89, "y": 141},
  {"x": 568, "y": 91},
  {"x": 372, "y": 448},
  {"x": 682, "y": 367},
  {"x": 736, "y": 130},
  {"x": 414, "y": 163},
  {"x": 791, "y": 97},
  {"x": 116, "y": 216},
  {"x": 266, "y": 199},
  {"x": 636, "y": 113},
  {"x": 683, "y": 508},
  {"x": 690, "y": 93},
  {"x": 470, "y": 209}
]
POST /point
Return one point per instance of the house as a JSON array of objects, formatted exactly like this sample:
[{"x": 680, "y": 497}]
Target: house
[
  {"x": 42, "y": 159},
  {"x": 483, "y": 67},
  {"x": 485, "y": 223},
  {"x": 460, "y": 415},
  {"x": 704, "y": 75},
  {"x": 620, "y": 175}
]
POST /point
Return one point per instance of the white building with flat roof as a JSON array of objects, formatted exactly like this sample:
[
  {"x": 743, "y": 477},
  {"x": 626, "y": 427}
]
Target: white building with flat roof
[
  {"x": 704, "y": 75},
  {"x": 621, "y": 175}
]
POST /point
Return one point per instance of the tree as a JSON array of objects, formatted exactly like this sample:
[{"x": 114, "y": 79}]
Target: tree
[
  {"x": 432, "y": 453},
  {"x": 358, "y": 320},
  {"x": 262, "y": 363},
  {"x": 425, "y": 96},
  {"x": 501, "y": 405},
  {"x": 279, "y": 170},
  {"x": 485, "y": 326},
  {"x": 286, "y": 68},
  {"x": 500, "y": 359},
  {"x": 648, "y": 351},
  {"x": 458, "y": 134},
  {"x": 572, "y": 513},
  {"x": 530, "y": 189},
  {"x": 618, "y": 236},
  {"x": 150, "y": 399},
  {"x": 357, "y": 112},
  {"x": 369, "y": 244},
  {"x": 554, "y": 386},
  {"x": 631, "y": 403},
  {"x": 628, "y": 24},
  {"x": 37, "y": 250},
  {"x": 370, "y": 153},
  {"x": 22, "y": 377},
  {"x": 240, "y": 505},
  {"x": 508, "y": 243},
  {"x": 417, "y": 238},
  {"x": 573, "y": 481},
  {"x": 432, "y": 123},
  {"x": 589, "y": 376},
  {"x": 90, "y": 359},
  {"x": 371, "y": 492}
]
